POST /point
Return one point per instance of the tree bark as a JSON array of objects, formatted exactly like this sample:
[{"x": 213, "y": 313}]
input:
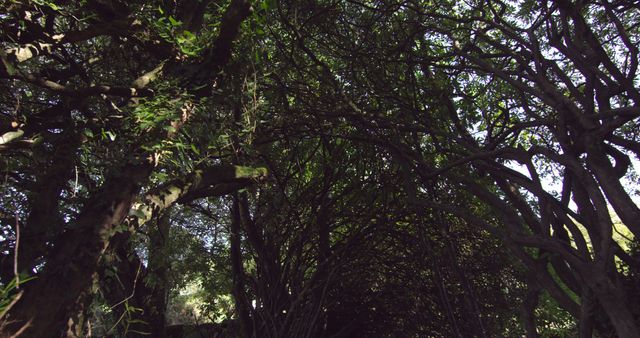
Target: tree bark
[
  {"x": 159, "y": 270},
  {"x": 529, "y": 305},
  {"x": 63, "y": 287},
  {"x": 125, "y": 289},
  {"x": 615, "y": 305},
  {"x": 44, "y": 221},
  {"x": 237, "y": 269},
  {"x": 586, "y": 314}
]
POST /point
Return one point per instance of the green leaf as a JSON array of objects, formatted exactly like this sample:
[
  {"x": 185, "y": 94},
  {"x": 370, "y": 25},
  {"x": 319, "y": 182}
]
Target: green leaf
[
  {"x": 188, "y": 35},
  {"x": 111, "y": 135},
  {"x": 195, "y": 149},
  {"x": 174, "y": 22},
  {"x": 268, "y": 4}
]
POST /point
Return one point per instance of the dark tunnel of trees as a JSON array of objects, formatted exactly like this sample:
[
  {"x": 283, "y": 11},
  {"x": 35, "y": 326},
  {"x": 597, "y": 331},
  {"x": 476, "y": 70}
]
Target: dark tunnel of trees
[{"x": 328, "y": 168}]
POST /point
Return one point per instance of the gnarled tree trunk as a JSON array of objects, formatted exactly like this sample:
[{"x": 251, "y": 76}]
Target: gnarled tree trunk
[{"x": 62, "y": 289}]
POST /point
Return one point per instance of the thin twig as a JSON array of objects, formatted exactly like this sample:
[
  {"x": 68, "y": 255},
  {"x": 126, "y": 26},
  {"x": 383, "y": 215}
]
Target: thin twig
[
  {"x": 13, "y": 302},
  {"x": 133, "y": 291},
  {"x": 15, "y": 253},
  {"x": 75, "y": 187},
  {"x": 22, "y": 329}
]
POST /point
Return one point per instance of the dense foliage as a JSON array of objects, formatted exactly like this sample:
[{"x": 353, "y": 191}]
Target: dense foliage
[{"x": 319, "y": 168}]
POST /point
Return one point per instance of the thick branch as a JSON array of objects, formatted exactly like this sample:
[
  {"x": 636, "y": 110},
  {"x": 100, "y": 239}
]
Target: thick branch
[{"x": 201, "y": 183}]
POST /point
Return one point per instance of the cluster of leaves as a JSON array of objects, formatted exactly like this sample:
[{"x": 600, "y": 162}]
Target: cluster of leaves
[
  {"x": 10, "y": 291},
  {"x": 169, "y": 29}
]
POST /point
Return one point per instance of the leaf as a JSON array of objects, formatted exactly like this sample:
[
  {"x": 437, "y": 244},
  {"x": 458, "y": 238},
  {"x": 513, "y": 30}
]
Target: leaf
[
  {"x": 195, "y": 149},
  {"x": 24, "y": 53},
  {"x": 137, "y": 212},
  {"x": 174, "y": 22},
  {"x": 11, "y": 136},
  {"x": 111, "y": 135},
  {"x": 268, "y": 4},
  {"x": 188, "y": 35}
]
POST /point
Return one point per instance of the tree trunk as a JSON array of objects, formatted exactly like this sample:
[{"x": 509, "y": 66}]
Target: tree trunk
[
  {"x": 159, "y": 268},
  {"x": 64, "y": 286},
  {"x": 615, "y": 305},
  {"x": 237, "y": 269},
  {"x": 270, "y": 290},
  {"x": 323, "y": 254},
  {"x": 124, "y": 289},
  {"x": 586, "y": 314},
  {"x": 44, "y": 220},
  {"x": 529, "y": 305}
]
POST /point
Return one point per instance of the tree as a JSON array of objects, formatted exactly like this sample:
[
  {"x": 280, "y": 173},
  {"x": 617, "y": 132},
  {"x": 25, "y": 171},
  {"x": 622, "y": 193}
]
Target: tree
[
  {"x": 64, "y": 40},
  {"x": 488, "y": 87},
  {"x": 335, "y": 168}
]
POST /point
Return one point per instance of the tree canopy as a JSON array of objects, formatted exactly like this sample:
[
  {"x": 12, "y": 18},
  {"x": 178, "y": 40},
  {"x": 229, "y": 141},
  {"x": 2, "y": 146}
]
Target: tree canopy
[{"x": 323, "y": 168}]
